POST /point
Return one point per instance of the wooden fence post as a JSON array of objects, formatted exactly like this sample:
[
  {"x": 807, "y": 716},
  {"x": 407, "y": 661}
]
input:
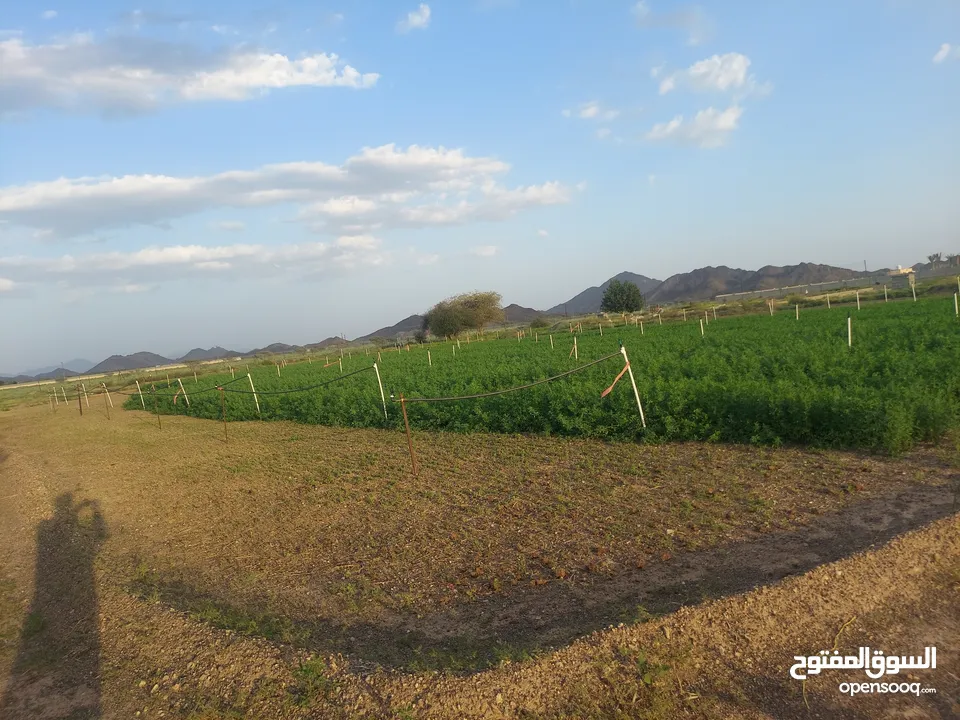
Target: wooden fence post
[
  {"x": 255, "y": 400},
  {"x": 633, "y": 382}
]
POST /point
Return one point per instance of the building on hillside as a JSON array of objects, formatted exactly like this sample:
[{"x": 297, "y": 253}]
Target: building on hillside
[{"x": 902, "y": 277}]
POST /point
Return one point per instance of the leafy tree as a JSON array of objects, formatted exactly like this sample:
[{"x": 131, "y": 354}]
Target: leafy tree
[
  {"x": 539, "y": 323},
  {"x": 935, "y": 259},
  {"x": 621, "y": 297},
  {"x": 470, "y": 311}
]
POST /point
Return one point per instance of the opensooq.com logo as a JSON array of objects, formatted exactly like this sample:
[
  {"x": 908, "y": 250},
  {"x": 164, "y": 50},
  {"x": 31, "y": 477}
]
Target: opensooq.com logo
[{"x": 875, "y": 666}]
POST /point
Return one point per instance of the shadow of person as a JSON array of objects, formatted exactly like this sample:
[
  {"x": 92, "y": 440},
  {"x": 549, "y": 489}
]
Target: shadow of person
[{"x": 56, "y": 670}]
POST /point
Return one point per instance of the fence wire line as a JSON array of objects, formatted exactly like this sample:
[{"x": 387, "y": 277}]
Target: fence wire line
[
  {"x": 153, "y": 393},
  {"x": 513, "y": 389}
]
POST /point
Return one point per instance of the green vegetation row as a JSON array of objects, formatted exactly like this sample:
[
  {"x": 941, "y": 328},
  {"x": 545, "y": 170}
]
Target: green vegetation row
[{"x": 751, "y": 379}]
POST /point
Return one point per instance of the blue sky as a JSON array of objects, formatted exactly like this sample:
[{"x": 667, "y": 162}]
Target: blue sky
[{"x": 246, "y": 174}]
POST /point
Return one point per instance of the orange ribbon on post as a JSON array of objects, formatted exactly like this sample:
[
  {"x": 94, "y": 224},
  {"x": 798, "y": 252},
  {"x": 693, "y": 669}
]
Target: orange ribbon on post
[{"x": 616, "y": 380}]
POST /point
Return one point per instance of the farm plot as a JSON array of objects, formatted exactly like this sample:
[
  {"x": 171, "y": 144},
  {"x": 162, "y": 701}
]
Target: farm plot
[{"x": 759, "y": 379}]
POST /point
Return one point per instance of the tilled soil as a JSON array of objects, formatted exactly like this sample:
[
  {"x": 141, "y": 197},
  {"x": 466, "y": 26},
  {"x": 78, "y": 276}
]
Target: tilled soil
[{"x": 85, "y": 631}]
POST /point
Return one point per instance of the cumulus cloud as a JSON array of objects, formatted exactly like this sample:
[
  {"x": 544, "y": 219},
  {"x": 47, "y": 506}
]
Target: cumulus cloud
[
  {"x": 719, "y": 73},
  {"x": 379, "y": 188},
  {"x": 124, "y": 75},
  {"x": 592, "y": 111},
  {"x": 710, "y": 128},
  {"x": 484, "y": 250},
  {"x": 48, "y": 14},
  {"x": 418, "y": 19},
  {"x": 946, "y": 52},
  {"x": 6, "y": 285},
  {"x": 543, "y": 233},
  {"x": 691, "y": 20},
  {"x": 138, "y": 270}
]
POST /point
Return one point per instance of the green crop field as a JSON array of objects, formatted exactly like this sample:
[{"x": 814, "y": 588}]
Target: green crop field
[{"x": 756, "y": 379}]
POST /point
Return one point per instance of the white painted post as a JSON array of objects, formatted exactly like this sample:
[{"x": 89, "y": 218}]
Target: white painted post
[
  {"x": 536, "y": 337},
  {"x": 278, "y": 369},
  {"x": 914, "y": 288},
  {"x": 341, "y": 364},
  {"x": 798, "y": 310},
  {"x": 65, "y": 396},
  {"x": 684, "y": 314},
  {"x": 378, "y": 357},
  {"x": 828, "y": 302},
  {"x": 956, "y": 306},
  {"x": 383, "y": 398},
  {"x": 701, "y": 327},
  {"x": 858, "y": 299},
  {"x": 233, "y": 374},
  {"x": 641, "y": 327},
  {"x": 255, "y": 400},
  {"x": 633, "y": 382},
  {"x": 660, "y": 318},
  {"x": 600, "y": 325},
  {"x": 885, "y": 293},
  {"x": 770, "y": 307},
  {"x": 429, "y": 359},
  {"x": 849, "y": 331},
  {"x": 109, "y": 399},
  {"x": 83, "y": 387},
  {"x": 551, "y": 342},
  {"x": 576, "y": 353},
  {"x": 140, "y": 392},
  {"x": 56, "y": 397},
  {"x": 184, "y": 391},
  {"x": 706, "y": 316}
]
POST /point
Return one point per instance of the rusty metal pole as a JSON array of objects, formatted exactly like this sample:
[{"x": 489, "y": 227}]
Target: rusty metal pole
[
  {"x": 406, "y": 423},
  {"x": 223, "y": 408},
  {"x": 156, "y": 406}
]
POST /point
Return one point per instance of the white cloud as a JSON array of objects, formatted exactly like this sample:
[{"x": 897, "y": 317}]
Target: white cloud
[
  {"x": 418, "y": 19},
  {"x": 224, "y": 30},
  {"x": 592, "y": 111},
  {"x": 428, "y": 259},
  {"x": 543, "y": 233},
  {"x": 6, "y": 284},
  {"x": 230, "y": 225},
  {"x": 946, "y": 51},
  {"x": 651, "y": 179},
  {"x": 139, "y": 270},
  {"x": 691, "y": 20},
  {"x": 48, "y": 14},
  {"x": 122, "y": 75},
  {"x": 718, "y": 73},
  {"x": 379, "y": 188},
  {"x": 603, "y": 133},
  {"x": 484, "y": 250},
  {"x": 131, "y": 288},
  {"x": 708, "y": 129}
]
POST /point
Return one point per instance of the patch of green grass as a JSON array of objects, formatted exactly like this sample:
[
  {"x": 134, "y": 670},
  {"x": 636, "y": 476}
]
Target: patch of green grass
[{"x": 312, "y": 683}]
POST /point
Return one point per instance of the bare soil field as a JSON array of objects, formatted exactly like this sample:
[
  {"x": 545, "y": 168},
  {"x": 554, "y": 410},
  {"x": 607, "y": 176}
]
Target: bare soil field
[{"x": 301, "y": 571}]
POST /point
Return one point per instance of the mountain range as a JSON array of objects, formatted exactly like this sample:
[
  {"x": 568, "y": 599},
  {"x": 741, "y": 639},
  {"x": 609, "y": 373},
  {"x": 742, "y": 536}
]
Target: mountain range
[{"x": 700, "y": 284}]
